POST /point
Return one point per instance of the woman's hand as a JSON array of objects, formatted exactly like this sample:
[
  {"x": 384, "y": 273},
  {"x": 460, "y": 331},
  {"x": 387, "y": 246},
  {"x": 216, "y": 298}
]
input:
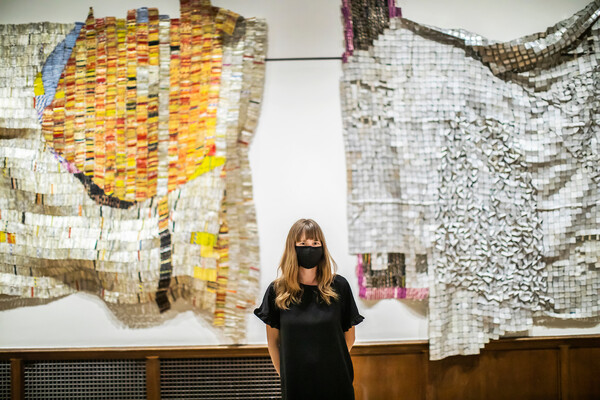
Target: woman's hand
[{"x": 273, "y": 346}]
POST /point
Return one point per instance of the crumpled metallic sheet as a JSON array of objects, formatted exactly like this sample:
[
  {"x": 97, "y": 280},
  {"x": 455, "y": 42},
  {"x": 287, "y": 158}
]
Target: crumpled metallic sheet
[
  {"x": 56, "y": 239},
  {"x": 488, "y": 247},
  {"x": 484, "y": 158}
]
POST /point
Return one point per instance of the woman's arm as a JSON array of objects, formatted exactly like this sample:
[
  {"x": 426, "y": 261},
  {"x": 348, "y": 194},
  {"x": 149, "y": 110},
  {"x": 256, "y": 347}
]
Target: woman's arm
[
  {"x": 273, "y": 346},
  {"x": 350, "y": 336}
]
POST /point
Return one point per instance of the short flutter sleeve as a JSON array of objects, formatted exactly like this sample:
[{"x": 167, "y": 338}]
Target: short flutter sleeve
[
  {"x": 350, "y": 314},
  {"x": 268, "y": 312}
]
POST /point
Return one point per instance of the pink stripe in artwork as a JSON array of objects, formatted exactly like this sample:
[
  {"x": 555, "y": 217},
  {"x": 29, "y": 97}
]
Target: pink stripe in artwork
[
  {"x": 348, "y": 31},
  {"x": 70, "y": 167},
  {"x": 394, "y": 292},
  {"x": 393, "y": 10}
]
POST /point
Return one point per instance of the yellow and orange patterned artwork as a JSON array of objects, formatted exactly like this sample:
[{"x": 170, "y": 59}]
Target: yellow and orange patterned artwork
[
  {"x": 150, "y": 118},
  {"x": 104, "y": 120}
]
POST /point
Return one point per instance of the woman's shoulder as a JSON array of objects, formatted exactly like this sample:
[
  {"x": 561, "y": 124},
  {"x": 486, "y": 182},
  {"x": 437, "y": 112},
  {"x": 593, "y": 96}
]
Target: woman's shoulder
[
  {"x": 340, "y": 281},
  {"x": 271, "y": 288}
]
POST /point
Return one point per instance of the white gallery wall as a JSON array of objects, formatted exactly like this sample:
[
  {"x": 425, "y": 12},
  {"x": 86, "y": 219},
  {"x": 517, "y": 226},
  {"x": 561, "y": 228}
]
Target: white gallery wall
[{"x": 297, "y": 160}]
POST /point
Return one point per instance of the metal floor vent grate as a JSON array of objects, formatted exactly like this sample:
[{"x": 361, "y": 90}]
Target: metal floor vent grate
[
  {"x": 85, "y": 379},
  {"x": 219, "y": 378},
  {"x": 4, "y": 380}
]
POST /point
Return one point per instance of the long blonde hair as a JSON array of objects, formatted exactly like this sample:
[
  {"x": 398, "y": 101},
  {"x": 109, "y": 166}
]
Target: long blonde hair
[{"x": 287, "y": 286}]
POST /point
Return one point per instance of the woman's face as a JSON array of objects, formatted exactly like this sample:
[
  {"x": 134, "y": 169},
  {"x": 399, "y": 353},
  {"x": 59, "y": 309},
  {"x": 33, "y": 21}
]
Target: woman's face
[{"x": 303, "y": 242}]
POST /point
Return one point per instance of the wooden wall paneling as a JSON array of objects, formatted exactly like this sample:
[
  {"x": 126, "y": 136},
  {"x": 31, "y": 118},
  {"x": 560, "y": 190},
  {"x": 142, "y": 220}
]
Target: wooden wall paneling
[
  {"x": 152, "y": 378},
  {"x": 120, "y": 353},
  {"x": 390, "y": 370},
  {"x": 521, "y": 374},
  {"x": 564, "y": 371},
  {"x": 457, "y": 377},
  {"x": 389, "y": 376},
  {"x": 514, "y": 368},
  {"x": 429, "y": 388},
  {"x": 17, "y": 379},
  {"x": 584, "y": 373}
]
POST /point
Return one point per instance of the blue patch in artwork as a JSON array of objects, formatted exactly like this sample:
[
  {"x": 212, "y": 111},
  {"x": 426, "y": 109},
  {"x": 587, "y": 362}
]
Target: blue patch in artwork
[
  {"x": 142, "y": 15},
  {"x": 53, "y": 68}
]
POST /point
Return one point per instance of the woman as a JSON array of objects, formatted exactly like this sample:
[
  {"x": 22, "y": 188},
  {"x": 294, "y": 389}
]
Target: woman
[{"x": 310, "y": 315}]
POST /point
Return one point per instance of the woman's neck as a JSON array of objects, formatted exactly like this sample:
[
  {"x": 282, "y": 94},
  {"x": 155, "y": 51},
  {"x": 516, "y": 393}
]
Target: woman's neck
[{"x": 307, "y": 276}]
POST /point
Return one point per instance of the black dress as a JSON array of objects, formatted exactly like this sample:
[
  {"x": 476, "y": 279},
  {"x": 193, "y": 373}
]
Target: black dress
[{"x": 315, "y": 363}]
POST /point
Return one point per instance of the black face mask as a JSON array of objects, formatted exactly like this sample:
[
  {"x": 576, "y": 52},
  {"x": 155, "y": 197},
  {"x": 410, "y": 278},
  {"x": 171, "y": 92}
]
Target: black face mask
[{"x": 308, "y": 256}]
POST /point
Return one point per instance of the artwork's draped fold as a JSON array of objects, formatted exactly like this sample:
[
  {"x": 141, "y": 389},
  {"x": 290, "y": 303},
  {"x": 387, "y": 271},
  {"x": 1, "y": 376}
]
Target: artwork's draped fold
[
  {"x": 386, "y": 201},
  {"x": 119, "y": 188},
  {"x": 473, "y": 173}
]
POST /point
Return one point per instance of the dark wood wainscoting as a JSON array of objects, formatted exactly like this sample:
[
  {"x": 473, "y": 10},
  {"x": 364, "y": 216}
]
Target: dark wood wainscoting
[{"x": 522, "y": 368}]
